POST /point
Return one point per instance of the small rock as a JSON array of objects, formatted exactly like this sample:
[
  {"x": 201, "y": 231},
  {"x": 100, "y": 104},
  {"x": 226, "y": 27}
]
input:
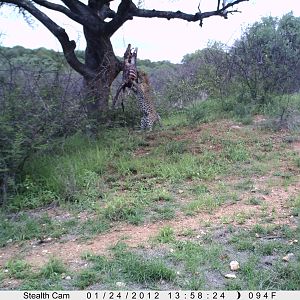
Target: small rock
[
  {"x": 180, "y": 191},
  {"x": 235, "y": 127},
  {"x": 9, "y": 241},
  {"x": 5, "y": 271},
  {"x": 291, "y": 242},
  {"x": 230, "y": 276},
  {"x": 172, "y": 250},
  {"x": 288, "y": 257},
  {"x": 178, "y": 273},
  {"x": 68, "y": 277},
  {"x": 234, "y": 265},
  {"x": 120, "y": 284},
  {"x": 257, "y": 235}
]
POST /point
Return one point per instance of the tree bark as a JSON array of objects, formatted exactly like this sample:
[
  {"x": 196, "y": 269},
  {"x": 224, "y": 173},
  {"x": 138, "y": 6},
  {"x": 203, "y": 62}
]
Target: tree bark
[{"x": 100, "y": 58}]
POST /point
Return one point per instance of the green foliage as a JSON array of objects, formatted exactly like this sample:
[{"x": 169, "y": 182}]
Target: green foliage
[
  {"x": 39, "y": 59},
  {"x": 124, "y": 265},
  {"x": 18, "y": 269},
  {"x": 295, "y": 203},
  {"x": 25, "y": 227},
  {"x": 120, "y": 209},
  {"x": 141, "y": 270},
  {"x": 86, "y": 278},
  {"x": 94, "y": 226},
  {"x": 53, "y": 268},
  {"x": 164, "y": 213},
  {"x": 267, "y": 58},
  {"x": 204, "y": 202},
  {"x": 175, "y": 147},
  {"x": 194, "y": 255},
  {"x": 165, "y": 235},
  {"x": 283, "y": 111},
  {"x": 35, "y": 111}
]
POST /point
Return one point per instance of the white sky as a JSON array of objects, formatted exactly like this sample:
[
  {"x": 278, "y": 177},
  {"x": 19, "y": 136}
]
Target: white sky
[{"x": 157, "y": 39}]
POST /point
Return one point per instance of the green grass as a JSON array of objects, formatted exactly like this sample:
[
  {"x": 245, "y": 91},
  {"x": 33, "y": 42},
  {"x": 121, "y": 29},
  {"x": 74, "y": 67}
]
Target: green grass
[
  {"x": 295, "y": 204},
  {"x": 161, "y": 195},
  {"x": 242, "y": 217},
  {"x": 175, "y": 147},
  {"x": 165, "y": 212},
  {"x": 18, "y": 269},
  {"x": 49, "y": 277},
  {"x": 245, "y": 185},
  {"x": 236, "y": 151},
  {"x": 123, "y": 266},
  {"x": 165, "y": 235},
  {"x": 195, "y": 256},
  {"x": 254, "y": 201},
  {"x": 53, "y": 269},
  {"x": 242, "y": 241},
  {"x": 281, "y": 277},
  {"x": 25, "y": 227},
  {"x": 93, "y": 226},
  {"x": 121, "y": 176},
  {"x": 123, "y": 209},
  {"x": 86, "y": 278},
  {"x": 73, "y": 172},
  {"x": 200, "y": 189},
  {"x": 140, "y": 270},
  {"x": 204, "y": 202}
]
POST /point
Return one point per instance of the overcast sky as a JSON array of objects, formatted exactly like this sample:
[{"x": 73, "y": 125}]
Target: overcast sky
[{"x": 156, "y": 39}]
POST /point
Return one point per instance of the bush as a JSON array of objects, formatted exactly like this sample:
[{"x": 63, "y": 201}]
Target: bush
[{"x": 37, "y": 108}]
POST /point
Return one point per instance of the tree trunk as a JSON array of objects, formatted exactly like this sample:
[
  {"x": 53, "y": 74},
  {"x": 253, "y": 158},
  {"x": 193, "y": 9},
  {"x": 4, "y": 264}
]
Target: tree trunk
[{"x": 100, "y": 58}]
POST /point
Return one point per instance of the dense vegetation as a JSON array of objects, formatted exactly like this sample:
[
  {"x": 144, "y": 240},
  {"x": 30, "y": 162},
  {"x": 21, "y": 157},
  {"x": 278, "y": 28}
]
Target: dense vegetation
[
  {"x": 41, "y": 102},
  {"x": 231, "y": 121},
  {"x": 41, "y": 99}
]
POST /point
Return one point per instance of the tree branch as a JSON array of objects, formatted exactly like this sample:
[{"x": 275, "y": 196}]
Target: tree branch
[
  {"x": 127, "y": 10},
  {"x": 67, "y": 45},
  {"x": 123, "y": 14},
  {"x": 77, "y": 11},
  {"x": 222, "y": 12},
  {"x": 62, "y": 9}
]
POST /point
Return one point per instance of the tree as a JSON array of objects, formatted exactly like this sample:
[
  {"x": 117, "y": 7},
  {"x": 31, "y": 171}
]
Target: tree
[
  {"x": 267, "y": 59},
  {"x": 100, "y": 22}
]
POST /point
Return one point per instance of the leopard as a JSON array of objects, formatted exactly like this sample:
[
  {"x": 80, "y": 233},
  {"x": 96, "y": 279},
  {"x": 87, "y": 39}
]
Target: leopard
[{"x": 145, "y": 97}]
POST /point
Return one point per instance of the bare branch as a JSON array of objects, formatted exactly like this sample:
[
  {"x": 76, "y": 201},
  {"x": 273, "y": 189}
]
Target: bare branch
[
  {"x": 144, "y": 13},
  {"x": 127, "y": 10}
]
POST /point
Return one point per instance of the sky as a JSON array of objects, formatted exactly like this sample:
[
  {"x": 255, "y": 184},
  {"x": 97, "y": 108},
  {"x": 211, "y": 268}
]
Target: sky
[{"x": 157, "y": 39}]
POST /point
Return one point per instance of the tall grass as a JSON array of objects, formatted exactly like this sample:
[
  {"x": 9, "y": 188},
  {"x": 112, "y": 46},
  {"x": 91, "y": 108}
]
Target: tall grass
[{"x": 73, "y": 171}]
